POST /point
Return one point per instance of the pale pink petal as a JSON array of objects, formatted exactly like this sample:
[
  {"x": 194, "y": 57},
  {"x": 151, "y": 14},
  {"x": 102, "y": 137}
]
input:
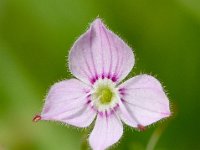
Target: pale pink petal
[
  {"x": 106, "y": 132},
  {"x": 67, "y": 101},
  {"x": 143, "y": 99},
  {"x": 126, "y": 116},
  {"x": 99, "y": 53}
]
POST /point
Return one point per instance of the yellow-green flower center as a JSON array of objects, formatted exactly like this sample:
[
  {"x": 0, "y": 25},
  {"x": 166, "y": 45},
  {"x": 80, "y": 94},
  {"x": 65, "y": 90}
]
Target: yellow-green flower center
[{"x": 104, "y": 94}]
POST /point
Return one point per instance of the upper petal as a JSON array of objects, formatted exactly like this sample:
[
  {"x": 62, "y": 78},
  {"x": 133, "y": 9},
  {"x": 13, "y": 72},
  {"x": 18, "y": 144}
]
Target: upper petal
[
  {"x": 144, "y": 100},
  {"x": 99, "y": 53},
  {"x": 106, "y": 132},
  {"x": 67, "y": 102}
]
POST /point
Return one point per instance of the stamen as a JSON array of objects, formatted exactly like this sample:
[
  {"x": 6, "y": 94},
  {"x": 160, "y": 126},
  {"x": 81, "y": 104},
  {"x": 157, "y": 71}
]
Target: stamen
[{"x": 104, "y": 94}]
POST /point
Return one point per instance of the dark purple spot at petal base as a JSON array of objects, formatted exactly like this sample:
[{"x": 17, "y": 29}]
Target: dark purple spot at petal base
[
  {"x": 97, "y": 77},
  {"x": 108, "y": 76},
  {"x": 109, "y": 112},
  {"x": 116, "y": 107},
  {"x": 88, "y": 102},
  {"x": 122, "y": 91},
  {"x": 114, "y": 79},
  {"x": 93, "y": 80},
  {"x": 123, "y": 100},
  {"x": 100, "y": 113},
  {"x": 103, "y": 76},
  {"x": 106, "y": 113}
]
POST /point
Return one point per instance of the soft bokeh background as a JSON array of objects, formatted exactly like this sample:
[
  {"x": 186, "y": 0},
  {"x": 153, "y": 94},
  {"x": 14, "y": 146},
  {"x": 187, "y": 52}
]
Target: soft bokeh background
[{"x": 35, "y": 36}]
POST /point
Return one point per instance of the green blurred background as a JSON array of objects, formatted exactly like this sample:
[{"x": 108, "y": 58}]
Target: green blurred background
[{"x": 36, "y": 35}]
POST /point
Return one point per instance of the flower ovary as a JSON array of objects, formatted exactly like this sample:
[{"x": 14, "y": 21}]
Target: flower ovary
[{"x": 104, "y": 94}]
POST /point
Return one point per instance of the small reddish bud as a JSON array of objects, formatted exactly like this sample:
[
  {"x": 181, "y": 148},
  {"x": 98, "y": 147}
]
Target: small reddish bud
[
  {"x": 141, "y": 127},
  {"x": 37, "y": 118}
]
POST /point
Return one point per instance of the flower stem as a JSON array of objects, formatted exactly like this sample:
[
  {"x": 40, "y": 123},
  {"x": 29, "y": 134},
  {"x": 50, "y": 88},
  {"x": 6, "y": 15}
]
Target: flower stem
[
  {"x": 155, "y": 137},
  {"x": 84, "y": 141}
]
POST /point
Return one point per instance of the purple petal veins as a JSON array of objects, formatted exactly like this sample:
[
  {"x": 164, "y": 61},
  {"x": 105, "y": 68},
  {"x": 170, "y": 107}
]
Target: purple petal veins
[{"x": 100, "y": 60}]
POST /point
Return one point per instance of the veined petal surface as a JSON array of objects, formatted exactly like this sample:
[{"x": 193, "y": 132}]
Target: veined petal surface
[
  {"x": 106, "y": 132},
  {"x": 144, "y": 99},
  {"x": 99, "y": 53},
  {"x": 67, "y": 102}
]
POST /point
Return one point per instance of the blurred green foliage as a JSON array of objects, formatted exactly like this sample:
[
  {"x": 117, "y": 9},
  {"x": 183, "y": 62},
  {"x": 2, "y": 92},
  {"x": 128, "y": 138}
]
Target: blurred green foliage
[{"x": 35, "y": 36}]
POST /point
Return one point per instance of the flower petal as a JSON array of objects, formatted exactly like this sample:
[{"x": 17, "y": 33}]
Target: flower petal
[
  {"x": 67, "y": 102},
  {"x": 144, "y": 99},
  {"x": 106, "y": 132},
  {"x": 99, "y": 53}
]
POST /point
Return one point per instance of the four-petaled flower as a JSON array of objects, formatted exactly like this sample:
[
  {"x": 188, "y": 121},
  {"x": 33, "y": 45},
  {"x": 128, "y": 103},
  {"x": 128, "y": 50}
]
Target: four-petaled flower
[{"x": 100, "y": 60}]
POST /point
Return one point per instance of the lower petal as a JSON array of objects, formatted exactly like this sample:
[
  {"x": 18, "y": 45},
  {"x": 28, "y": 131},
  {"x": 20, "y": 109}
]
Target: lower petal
[{"x": 106, "y": 132}]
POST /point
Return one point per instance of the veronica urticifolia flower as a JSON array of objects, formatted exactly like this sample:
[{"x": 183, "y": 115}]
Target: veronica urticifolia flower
[{"x": 100, "y": 60}]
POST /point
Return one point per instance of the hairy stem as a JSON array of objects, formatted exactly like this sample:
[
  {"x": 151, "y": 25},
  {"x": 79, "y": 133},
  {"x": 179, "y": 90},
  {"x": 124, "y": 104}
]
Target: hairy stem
[
  {"x": 156, "y": 136},
  {"x": 84, "y": 141}
]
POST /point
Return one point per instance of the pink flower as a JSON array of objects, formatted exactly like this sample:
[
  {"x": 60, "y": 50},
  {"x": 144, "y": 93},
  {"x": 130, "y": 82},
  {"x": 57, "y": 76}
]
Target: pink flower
[{"x": 100, "y": 60}]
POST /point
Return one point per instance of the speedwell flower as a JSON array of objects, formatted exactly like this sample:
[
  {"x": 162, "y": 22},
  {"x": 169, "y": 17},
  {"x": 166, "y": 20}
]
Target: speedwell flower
[{"x": 100, "y": 60}]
